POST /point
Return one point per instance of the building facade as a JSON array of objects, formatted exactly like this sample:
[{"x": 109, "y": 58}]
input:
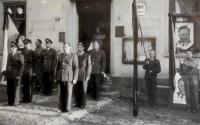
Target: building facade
[{"x": 78, "y": 19}]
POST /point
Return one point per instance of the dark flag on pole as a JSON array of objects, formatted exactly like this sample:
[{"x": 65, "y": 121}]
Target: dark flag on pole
[
  {"x": 172, "y": 67},
  {"x": 135, "y": 68}
]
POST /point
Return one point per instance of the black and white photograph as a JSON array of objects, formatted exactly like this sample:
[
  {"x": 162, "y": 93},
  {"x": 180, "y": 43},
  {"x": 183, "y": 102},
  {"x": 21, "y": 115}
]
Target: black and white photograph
[{"x": 99, "y": 62}]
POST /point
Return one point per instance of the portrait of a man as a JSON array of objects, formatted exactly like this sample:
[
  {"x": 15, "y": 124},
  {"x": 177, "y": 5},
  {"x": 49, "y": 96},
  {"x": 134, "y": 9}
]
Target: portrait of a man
[{"x": 184, "y": 36}]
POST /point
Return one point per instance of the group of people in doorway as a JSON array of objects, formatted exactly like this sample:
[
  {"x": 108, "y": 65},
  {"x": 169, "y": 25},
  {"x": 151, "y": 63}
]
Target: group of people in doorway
[
  {"x": 70, "y": 71},
  {"x": 188, "y": 73}
]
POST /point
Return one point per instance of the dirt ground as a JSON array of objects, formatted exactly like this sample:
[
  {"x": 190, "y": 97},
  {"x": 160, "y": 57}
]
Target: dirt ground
[{"x": 43, "y": 111}]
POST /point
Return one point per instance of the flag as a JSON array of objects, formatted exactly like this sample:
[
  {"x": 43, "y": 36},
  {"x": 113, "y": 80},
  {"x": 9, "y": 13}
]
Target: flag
[
  {"x": 135, "y": 68},
  {"x": 172, "y": 68},
  {"x": 10, "y": 34}
]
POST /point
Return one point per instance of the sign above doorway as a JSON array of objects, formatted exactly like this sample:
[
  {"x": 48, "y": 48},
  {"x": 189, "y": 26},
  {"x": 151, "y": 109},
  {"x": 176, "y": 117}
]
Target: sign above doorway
[{"x": 141, "y": 9}]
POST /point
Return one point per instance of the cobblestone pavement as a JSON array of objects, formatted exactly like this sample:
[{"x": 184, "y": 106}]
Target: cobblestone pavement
[
  {"x": 43, "y": 111},
  {"x": 119, "y": 112}
]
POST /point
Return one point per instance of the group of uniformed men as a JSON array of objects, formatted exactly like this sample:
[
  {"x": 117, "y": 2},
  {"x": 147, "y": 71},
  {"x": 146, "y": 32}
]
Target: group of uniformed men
[{"x": 66, "y": 69}]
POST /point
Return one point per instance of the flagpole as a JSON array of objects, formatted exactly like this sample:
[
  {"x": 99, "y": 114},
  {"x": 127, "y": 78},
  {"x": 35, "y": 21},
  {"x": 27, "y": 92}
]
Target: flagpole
[{"x": 135, "y": 68}]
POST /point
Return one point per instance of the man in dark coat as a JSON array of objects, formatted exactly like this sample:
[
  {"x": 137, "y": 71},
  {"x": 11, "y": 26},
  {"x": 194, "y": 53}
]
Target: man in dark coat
[
  {"x": 13, "y": 73},
  {"x": 38, "y": 67},
  {"x": 66, "y": 76},
  {"x": 98, "y": 61},
  {"x": 29, "y": 71},
  {"x": 152, "y": 67},
  {"x": 48, "y": 62},
  {"x": 85, "y": 67}
]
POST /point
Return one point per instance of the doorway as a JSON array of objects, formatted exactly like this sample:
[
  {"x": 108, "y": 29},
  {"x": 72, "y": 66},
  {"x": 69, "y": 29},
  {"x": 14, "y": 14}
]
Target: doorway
[{"x": 93, "y": 14}]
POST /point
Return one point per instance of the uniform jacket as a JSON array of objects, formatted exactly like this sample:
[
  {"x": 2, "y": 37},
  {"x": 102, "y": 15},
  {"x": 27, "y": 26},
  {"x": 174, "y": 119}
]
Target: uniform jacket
[
  {"x": 48, "y": 60},
  {"x": 38, "y": 51},
  {"x": 154, "y": 66},
  {"x": 98, "y": 60},
  {"x": 85, "y": 67},
  {"x": 67, "y": 68},
  {"x": 15, "y": 65},
  {"x": 189, "y": 67},
  {"x": 29, "y": 62}
]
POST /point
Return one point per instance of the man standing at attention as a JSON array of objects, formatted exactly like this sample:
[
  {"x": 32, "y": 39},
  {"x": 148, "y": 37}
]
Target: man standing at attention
[
  {"x": 66, "y": 76},
  {"x": 190, "y": 78},
  {"x": 152, "y": 67},
  {"x": 48, "y": 62},
  {"x": 98, "y": 60},
  {"x": 84, "y": 61},
  {"x": 29, "y": 67},
  {"x": 13, "y": 73},
  {"x": 38, "y": 50}
]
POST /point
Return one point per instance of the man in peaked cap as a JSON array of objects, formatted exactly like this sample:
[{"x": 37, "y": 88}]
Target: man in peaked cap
[
  {"x": 85, "y": 67},
  {"x": 38, "y": 50},
  {"x": 14, "y": 69},
  {"x": 98, "y": 61},
  {"x": 48, "y": 62},
  {"x": 29, "y": 71}
]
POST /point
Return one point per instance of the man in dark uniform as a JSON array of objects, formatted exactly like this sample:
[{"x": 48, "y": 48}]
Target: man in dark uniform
[
  {"x": 14, "y": 69},
  {"x": 98, "y": 61},
  {"x": 38, "y": 50},
  {"x": 67, "y": 74},
  {"x": 190, "y": 78},
  {"x": 29, "y": 67},
  {"x": 85, "y": 67},
  {"x": 48, "y": 62},
  {"x": 152, "y": 67}
]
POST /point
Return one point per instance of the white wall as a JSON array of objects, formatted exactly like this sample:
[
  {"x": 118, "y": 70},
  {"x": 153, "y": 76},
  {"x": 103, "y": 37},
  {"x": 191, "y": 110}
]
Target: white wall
[
  {"x": 153, "y": 24},
  {"x": 41, "y": 21}
]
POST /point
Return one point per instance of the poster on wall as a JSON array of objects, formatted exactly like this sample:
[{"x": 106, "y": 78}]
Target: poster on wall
[
  {"x": 184, "y": 36},
  {"x": 179, "y": 93}
]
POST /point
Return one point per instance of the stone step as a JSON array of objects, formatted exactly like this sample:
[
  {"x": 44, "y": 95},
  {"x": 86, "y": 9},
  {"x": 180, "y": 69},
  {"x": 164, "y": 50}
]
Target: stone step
[
  {"x": 3, "y": 92},
  {"x": 111, "y": 94},
  {"x": 105, "y": 88},
  {"x": 107, "y": 82}
]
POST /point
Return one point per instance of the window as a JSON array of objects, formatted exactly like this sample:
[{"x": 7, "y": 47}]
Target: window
[{"x": 17, "y": 12}]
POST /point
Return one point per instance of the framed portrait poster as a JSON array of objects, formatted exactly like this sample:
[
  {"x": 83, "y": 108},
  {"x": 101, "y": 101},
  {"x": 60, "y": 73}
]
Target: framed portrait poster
[
  {"x": 127, "y": 49},
  {"x": 184, "y": 38}
]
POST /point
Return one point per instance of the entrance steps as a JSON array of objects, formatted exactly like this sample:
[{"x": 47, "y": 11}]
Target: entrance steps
[{"x": 106, "y": 89}]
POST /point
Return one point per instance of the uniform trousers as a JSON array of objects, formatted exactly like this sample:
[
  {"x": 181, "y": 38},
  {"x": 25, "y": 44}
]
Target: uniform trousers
[
  {"x": 64, "y": 95},
  {"x": 151, "y": 84},
  {"x": 17, "y": 93},
  {"x": 95, "y": 86},
  {"x": 11, "y": 90},
  {"x": 191, "y": 89},
  {"x": 48, "y": 80},
  {"x": 27, "y": 89},
  {"x": 39, "y": 77},
  {"x": 80, "y": 89}
]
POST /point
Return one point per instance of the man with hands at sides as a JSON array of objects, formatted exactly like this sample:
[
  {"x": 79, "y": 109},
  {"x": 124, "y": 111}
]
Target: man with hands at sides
[
  {"x": 13, "y": 73},
  {"x": 66, "y": 76},
  {"x": 85, "y": 67}
]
